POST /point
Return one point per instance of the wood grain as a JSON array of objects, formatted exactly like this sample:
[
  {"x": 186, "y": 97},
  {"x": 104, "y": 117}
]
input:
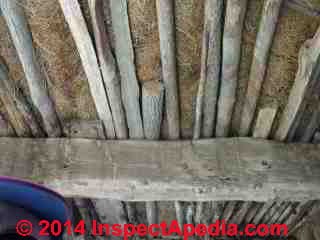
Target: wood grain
[{"x": 204, "y": 170}]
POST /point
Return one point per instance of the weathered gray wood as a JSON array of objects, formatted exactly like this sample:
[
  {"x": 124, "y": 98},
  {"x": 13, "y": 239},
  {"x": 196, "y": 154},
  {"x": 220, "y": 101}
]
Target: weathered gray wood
[
  {"x": 264, "y": 41},
  {"x": 299, "y": 213},
  {"x": 165, "y": 12},
  {"x": 125, "y": 59},
  {"x": 213, "y": 27},
  {"x": 278, "y": 213},
  {"x": 231, "y": 52},
  {"x": 316, "y": 138},
  {"x": 179, "y": 207},
  {"x": 264, "y": 123},
  {"x": 270, "y": 212},
  {"x": 205, "y": 170},
  {"x": 190, "y": 210},
  {"x": 108, "y": 68},
  {"x": 263, "y": 210},
  {"x": 228, "y": 211},
  {"x": 6, "y": 129},
  {"x": 312, "y": 126},
  {"x": 306, "y": 78},
  {"x": 74, "y": 17},
  {"x": 152, "y": 105},
  {"x": 84, "y": 129},
  {"x": 252, "y": 212},
  {"x": 20, "y": 112},
  {"x": 15, "y": 18},
  {"x": 110, "y": 211},
  {"x": 238, "y": 218},
  {"x": 284, "y": 216}
]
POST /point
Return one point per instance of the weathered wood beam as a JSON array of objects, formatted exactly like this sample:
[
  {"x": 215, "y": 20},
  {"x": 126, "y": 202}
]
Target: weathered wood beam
[
  {"x": 306, "y": 78},
  {"x": 263, "y": 210},
  {"x": 74, "y": 17},
  {"x": 231, "y": 52},
  {"x": 205, "y": 170},
  {"x": 125, "y": 58},
  {"x": 15, "y": 18},
  {"x": 20, "y": 112},
  {"x": 238, "y": 218},
  {"x": 264, "y": 123},
  {"x": 267, "y": 28},
  {"x": 166, "y": 25},
  {"x": 312, "y": 126},
  {"x": 303, "y": 6},
  {"x": 84, "y": 129},
  {"x": 108, "y": 68}
]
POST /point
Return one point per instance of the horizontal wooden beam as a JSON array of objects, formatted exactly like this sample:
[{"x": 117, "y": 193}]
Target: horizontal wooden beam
[{"x": 216, "y": 169}]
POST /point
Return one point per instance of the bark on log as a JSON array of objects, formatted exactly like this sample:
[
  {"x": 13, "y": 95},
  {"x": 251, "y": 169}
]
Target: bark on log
[
  {"x": 213, "y": 27},
  {"x": 231, "y": 54},
  {"x": 15, "y": 18},
  {"x": 264, "y": 123},
  {"x": 74, "y": 18},
  {"x": 254, "y": 170},
  {"x": 6, "y": 129},
  {"x": 23, "y": 119},
  {"x": 152, "y": 105},
  {"x": 108, "y": 68},
  {"x": 306, "y": 78},
  {"x": 125, "y": 59},
  {"x": 165, "y": 12},
  {"x": 264, "y": 41}
]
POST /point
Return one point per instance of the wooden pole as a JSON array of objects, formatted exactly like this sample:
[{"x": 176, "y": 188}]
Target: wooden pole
[
  {"x": 267, "y": 28},
  {"x": 165, "y": 12},
  {"x": 125, "y": 58},
  {"x": 81, "y": 36},
  {"x": 231, "y": 51},
  {"x": 21, "y": 36},
  {"x": 213, "y": 25},
  {"x": 306, "y": 78},
  {"x": 108, "y": 68}
]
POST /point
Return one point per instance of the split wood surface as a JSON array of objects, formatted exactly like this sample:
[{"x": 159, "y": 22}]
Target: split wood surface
[
  {"x": 220, "y": 169},
  {"x": 15, "y": 18},
  {"x": 74, "y": 17}
]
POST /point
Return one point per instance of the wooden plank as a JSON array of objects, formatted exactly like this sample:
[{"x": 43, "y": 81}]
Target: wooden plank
[
  {"x": 15, "y": 18},
  {"x": 84, "y": 129},
  {"x": 306, "y": 78},
  {"x": 231, "y": 51},
  {"x": 205, "y": 170},
  {"x": 74, "y": 18},
  {"x": 264, "y": 123},
  {"x": 125, "y": 58},
  {"x": 108, "y": 68},
  {"x": 165, "y": 12},
  {"x": 267, "y": 28}
]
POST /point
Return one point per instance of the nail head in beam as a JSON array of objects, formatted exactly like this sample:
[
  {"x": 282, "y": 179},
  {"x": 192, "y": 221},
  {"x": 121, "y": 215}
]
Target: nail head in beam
[
  {"x": 267, "y": 28},
  {"x": 13, "y": 13},
  {"x": 77, "y": 25},
  {"x": 138, "y": 170}
]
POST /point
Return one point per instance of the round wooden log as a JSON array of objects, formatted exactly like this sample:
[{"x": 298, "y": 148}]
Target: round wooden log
[
  {"x": 165, "y": 11},
  {"x": 267, "y": 28},
  {"x": 125, "y": 58},
  {"x": 15, "y": 18},
  {"x": 81, "y": 36},
  {"x": 231, "y": 51},
  {"x": 152, "y": 105},
  {"x": 108, "y": 68},
  {"x": 213, "y": 27}
]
